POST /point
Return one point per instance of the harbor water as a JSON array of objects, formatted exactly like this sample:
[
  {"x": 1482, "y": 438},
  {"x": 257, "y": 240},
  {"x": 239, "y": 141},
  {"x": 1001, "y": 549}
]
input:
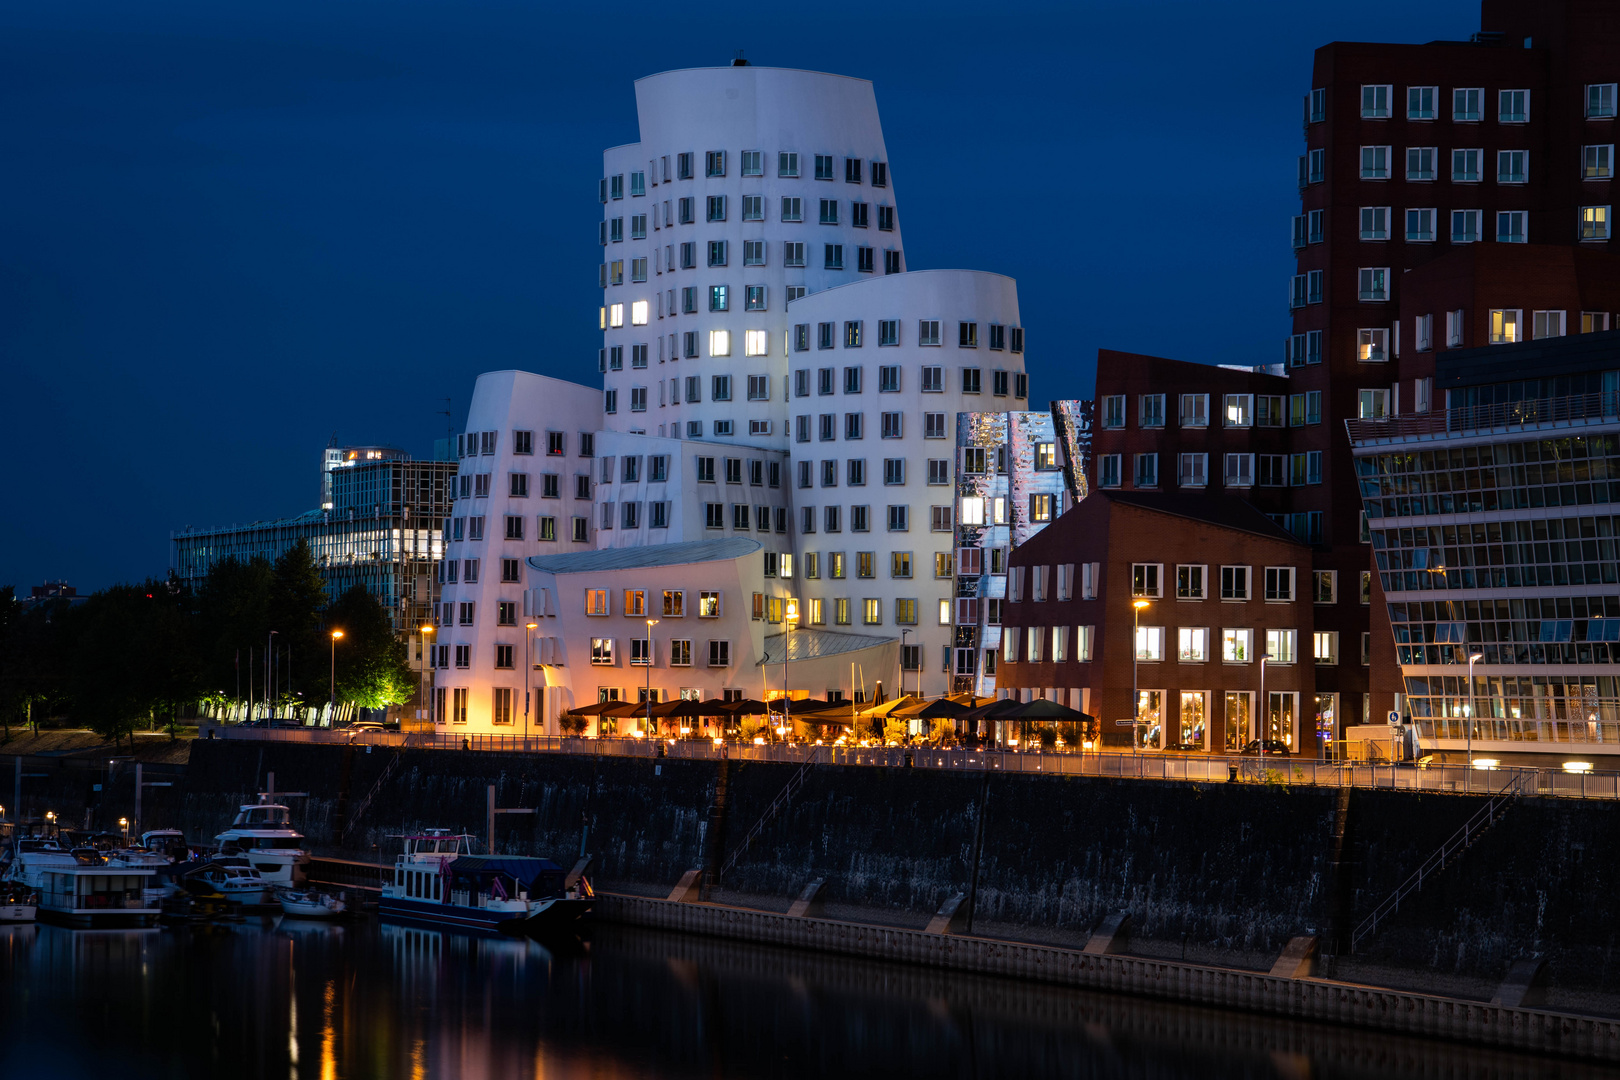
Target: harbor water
[{"x": 274, "y": 998}]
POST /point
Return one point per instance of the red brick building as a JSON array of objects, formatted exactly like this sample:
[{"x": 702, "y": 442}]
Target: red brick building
[
  {"x": 1221, "y": 584},
  {"x": 1453, "y": 194}
]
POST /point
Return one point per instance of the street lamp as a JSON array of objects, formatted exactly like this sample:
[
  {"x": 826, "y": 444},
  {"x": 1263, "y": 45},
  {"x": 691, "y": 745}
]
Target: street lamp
[
  {"x": 1473, "y": 658},
  {"x": 904, "y": 631},
  {"x": 528, "y": 678},
  {"x": 646, "y": 659},
  {"x": 1265, "y": 711},
  {"x": 123, "y": 824},
  {"x": 270, "y": 672},
  {"x": 787, "y": 645},
  {"x": 426, "y": 711},
  {"x": 333, "y": 703},
  {"x": 1136, "y": 694}
]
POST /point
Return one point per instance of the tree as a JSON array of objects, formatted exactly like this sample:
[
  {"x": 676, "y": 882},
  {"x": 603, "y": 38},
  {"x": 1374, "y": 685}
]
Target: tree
[
  {"x": 32, "y": 679},
  {"x": 130, "y": 655},
  {"x": 373, "y": 670},
  {"x": 233, "y": 615},
  {"x": 297, "y": 595}
]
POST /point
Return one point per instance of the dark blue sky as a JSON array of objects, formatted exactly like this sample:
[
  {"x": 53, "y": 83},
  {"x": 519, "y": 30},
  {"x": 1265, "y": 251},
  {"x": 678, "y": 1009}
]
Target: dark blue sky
[{"x": 228, "y": 230}]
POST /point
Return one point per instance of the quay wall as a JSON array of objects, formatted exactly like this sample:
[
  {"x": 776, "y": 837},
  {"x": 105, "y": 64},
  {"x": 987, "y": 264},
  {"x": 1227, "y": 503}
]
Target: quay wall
[{"x": 1221, "y": 874}]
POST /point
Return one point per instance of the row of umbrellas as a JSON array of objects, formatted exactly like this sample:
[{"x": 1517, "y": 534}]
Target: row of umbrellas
[{"x": 954, "y": 707}]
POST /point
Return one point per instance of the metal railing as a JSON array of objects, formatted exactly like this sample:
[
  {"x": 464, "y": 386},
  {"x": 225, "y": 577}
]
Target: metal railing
[
  {"x": 1437, "y": 861},
  {"x": 776, "y": 807},
  {"x": 1189, "y": 767},
  {"x": 1530, "y": 414}
]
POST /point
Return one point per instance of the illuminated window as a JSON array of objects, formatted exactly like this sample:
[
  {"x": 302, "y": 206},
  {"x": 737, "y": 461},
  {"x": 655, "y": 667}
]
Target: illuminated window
[
  {"x": 1505, "y": 325},
  {"x": 638, "y": 313},
  {"x": 616, "y": 315},
  {"x": 755, "y": 342},
  {"x": 719, "y": 342},
  {"x": 1594, "y": 223}
]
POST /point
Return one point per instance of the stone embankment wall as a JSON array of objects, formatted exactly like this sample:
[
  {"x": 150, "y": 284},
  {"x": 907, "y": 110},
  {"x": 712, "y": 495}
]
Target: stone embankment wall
[{"x": 1218, "y": 873}]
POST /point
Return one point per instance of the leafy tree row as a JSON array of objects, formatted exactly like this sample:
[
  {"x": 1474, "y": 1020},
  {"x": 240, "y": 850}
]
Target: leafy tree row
[{"x": 136, "y": 655}]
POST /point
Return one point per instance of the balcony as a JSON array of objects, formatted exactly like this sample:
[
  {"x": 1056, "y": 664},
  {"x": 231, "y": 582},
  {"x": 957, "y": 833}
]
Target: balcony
[{"x": 1537, "y": 414}]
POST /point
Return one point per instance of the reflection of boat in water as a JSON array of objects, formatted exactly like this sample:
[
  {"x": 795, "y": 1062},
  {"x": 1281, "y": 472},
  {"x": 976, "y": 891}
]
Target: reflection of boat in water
[
  {"x": 435, "y": 883},
  {"x": 263, "y": 833},
  {"x": 311, "y": 904},
  {"x": 86, "y": 887}
]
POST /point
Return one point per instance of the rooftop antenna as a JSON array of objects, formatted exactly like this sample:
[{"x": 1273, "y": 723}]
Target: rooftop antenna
[
  {"x": 739, "y": 61},
  {"x": 449, "y": 421}
]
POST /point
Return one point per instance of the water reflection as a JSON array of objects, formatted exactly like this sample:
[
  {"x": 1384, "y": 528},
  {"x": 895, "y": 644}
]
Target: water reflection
[{"x": 283, "y": 998}]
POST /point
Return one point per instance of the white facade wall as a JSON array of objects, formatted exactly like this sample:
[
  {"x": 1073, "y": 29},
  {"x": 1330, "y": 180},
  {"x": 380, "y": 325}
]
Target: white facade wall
[
  {"x": 900, "y": 401},
  {"x": 753, "y": 478},
  {"x": 474, "y": 629},
  {"x": 575, "y": 669},
  {"x": 730, "y": 112}
]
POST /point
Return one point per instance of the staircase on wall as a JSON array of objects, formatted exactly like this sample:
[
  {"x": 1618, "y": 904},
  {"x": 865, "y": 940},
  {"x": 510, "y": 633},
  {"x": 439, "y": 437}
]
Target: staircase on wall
[
  {"x": 1438, "y": 860},
  {"x": 779, "y": 804}
]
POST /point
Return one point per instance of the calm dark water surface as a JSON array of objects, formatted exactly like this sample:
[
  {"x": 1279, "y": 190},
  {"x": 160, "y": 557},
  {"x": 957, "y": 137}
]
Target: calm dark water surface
[{"x": 280, "y": 998}]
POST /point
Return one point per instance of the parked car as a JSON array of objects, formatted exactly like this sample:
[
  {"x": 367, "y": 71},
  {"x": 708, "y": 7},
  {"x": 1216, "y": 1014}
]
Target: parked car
[
  {"x": 1184, "y": 747},
  {"x": 1274, "y": 747}
]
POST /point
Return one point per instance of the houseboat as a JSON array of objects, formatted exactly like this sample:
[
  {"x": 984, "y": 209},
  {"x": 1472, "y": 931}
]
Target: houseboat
[
  {"x": 437, "y": 883},
  {"x": 86, "y": 887},
  {"x": 263, "y": 834}
]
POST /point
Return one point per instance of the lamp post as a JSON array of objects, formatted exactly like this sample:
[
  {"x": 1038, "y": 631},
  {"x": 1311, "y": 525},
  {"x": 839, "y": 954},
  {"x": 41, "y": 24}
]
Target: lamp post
[
  {"x": 1473, "y": 658},
  {"x": 123, "y": 824},
  {"x": 1136, "y": 693},
  {"x": 270, "y": 673},
  {"x": 787, "y": 646},
  {"x": 332, "y": 703},
  {"x": 646, "y": 659},
  {"x": 904, "y": 632},
  {"x": 426, "y": 711},
  {"x": 1265, "y": 711},
  {"x": 528, "y": 677}
]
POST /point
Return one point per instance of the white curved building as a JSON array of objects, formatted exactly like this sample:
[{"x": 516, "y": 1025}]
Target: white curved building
[
  {"x": 779, "y": 395},
  {"x": 750, "y": 186},
  {"x": 878, "y": 371}
]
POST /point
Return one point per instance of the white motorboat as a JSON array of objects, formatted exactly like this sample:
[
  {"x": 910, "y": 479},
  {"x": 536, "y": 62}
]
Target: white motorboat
[
  {"x": 436, "y": 883},
  {"x": 311, "y": 904},
  {"x": 238, "y": 882},
  {"x": 86, "y": 887},
  {"x": 170, "y": 843},
  {"x": 18, "y": 903},
  {"x": 263, "y": 834}
]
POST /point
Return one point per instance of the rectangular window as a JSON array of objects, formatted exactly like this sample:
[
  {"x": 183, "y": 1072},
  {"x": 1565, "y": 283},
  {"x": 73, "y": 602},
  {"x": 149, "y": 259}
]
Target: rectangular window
[
  {"x": 1234, "y": 583},
  {"x": 1193, "y": 470},
  {"x": 1372, "y": 345},
  {"x": 1375, "y": 163},
  {"x": 1374, "y": 283},
  {"x": 1597, "y": 162},
  {"x": 1375, "y": 223},
  {"x": 787, "y": 165},
  {"x": 1147, "y": 471},
  {"x": 1281, "y": 646},
  {"x": 1464, "y": 226},
  {"x": 1510, "y": 166},
  {"x": 824, "y": 167},
  {"x": 1594, "y": 223},
  {"x": 1465, "y": 166},
  {"x": 832, "y": 257},
  {"x": 1375, "y": 101},
  {"x": 1280, "y": 583},
  {"x": 1513, "y": 106},
  {"x": 1237, "y": 645},
  {"x": 1546, "y": 324},
  {"x": 1466, "y": 103},
  {"x": 1325, "y": 646},
  {"x": 1420, "y": 102},
  {"x": 1506, "y": 326},
  {"x": 1150, "y": 643},
  {"x": 1146, "y": 580},
  {"x": 967, "y": 335},
  {"x": 1420, "y": 162},
  {"x": 1192, "y": 644},
  {"x": 1511, "y": 226},
  {"x": 1108, "y": 470},
  {"x": 928, "y": 332},
  {"x": 1150, "y": 410}
]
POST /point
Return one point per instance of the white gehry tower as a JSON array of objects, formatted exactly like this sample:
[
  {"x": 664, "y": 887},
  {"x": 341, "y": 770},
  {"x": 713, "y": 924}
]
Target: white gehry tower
[{"x": 750, "y": 186}]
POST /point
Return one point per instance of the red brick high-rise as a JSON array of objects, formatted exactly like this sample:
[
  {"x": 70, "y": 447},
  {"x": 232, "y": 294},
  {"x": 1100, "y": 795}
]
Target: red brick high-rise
[{"x": 1453, "y": 194}]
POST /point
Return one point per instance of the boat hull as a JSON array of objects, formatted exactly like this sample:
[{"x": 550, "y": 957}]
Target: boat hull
[
  {"x": 552, "y": 917},
  {"x": 15, "y": 913},
  {"x": 98, "y": 917}
]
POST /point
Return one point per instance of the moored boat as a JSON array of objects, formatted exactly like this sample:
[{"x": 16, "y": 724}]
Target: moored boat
[
  {"x": 263, "y": 834},
  {"x": 436, "y": 883},
  {"x": 18, "y": 903},
  {"x": 86, "y": 887},
  {"x": 236, "y": 880},
  {"x": 311, "y": 904}
]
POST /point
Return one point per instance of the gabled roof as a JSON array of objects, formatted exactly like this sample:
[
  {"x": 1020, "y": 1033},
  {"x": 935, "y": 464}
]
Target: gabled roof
[
  {"x": 1227, "y": 511},
  {"x": 646, "y": 556}
]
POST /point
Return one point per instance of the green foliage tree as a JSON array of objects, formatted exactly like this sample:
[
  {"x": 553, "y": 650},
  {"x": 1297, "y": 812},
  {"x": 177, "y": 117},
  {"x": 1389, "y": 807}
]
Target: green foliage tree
[
  {"x": 297, "y": 597},
  {"x": 32, "y": 680},
  {"x": 373, "y": 669},
  {"x": 129, "y": 656},
  {"x": 233, "y": 617}
]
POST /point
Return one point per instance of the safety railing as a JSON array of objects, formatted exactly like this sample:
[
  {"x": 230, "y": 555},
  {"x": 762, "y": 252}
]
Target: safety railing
[
  {"x": 1179, "y": 767},
  {"x": 1530, "y": 414}
]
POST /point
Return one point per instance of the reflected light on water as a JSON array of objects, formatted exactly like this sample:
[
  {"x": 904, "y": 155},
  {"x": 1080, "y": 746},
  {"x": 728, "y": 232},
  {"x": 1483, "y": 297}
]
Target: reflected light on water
[{"x": 393, "y": 1002}]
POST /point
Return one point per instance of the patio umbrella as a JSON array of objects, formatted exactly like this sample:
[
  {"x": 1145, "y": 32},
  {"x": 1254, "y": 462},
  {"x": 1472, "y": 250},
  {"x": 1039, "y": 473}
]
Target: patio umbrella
[
  {"x": 1043, "y": 709},
  {"x": 884, "y": 708},
  {"x": 680, "y": 707},
  {"x": 995, "y": 710},
  {"x": 715, "y": 707},
  {"x": 598, "y": 708},
  {"x": 938, "y": 709},
  {"x": 746, "y": 707},
  {"x": 970, "y": 699}
]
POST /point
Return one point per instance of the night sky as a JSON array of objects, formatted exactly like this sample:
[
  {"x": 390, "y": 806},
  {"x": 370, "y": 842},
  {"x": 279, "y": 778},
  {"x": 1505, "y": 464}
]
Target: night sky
[{"x": 229, "y": 230}]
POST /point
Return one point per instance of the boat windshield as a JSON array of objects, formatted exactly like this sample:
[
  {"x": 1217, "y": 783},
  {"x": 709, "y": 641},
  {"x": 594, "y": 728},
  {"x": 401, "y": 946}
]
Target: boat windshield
[{"x": 263, "y": 817}]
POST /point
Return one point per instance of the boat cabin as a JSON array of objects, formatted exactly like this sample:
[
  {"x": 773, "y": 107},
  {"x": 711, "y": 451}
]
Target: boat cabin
[
  {"x": 478, "y": 880},
  {"x": 262, "y": 816}
]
